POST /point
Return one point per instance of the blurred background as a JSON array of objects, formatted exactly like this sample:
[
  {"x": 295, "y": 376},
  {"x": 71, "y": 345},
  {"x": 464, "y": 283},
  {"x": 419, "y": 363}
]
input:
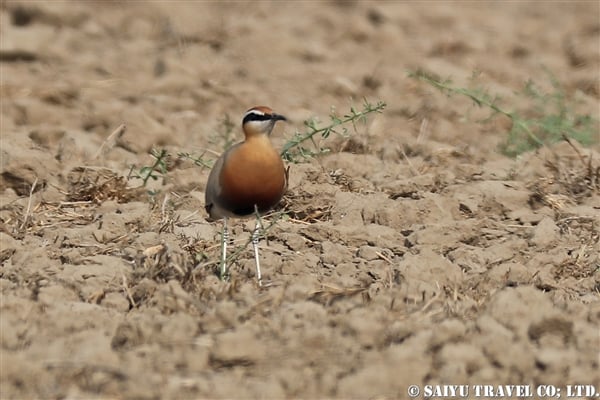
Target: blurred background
[{"x": 436, "y": 243}]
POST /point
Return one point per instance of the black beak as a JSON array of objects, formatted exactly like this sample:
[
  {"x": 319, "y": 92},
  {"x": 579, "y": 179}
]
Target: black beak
[{"x": 277, "y": 117}]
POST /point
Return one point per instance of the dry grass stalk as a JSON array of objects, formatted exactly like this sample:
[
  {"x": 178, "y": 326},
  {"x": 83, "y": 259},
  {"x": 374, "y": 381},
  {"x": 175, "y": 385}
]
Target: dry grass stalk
[
  {"x": 97, "y": 185},
  {"x": 115, "y": 135},
  {"x": 299, "y": 207},
  {"x": 26, "y": 216},
  {"x": 330, "y": 293}
]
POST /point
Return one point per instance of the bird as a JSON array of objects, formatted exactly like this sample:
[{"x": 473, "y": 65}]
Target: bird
[{"x": 248, "y": 179}]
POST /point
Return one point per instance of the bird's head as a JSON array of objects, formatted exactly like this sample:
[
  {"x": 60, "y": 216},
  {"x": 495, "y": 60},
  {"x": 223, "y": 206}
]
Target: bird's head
[{"x": 260, "y": 120}]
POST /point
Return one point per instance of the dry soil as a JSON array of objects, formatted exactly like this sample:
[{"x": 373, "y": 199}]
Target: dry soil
[{"x": 414, "y": 252}]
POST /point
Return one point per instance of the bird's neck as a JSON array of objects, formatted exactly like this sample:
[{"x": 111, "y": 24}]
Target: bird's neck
[{"x": 256, "y": 137}]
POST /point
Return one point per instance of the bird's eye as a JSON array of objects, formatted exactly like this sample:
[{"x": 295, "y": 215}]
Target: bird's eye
[{"x": 254, "y": 116}]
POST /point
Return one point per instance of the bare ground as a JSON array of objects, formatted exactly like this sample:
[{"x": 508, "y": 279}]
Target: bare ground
[{"x": 414, "y": 253}]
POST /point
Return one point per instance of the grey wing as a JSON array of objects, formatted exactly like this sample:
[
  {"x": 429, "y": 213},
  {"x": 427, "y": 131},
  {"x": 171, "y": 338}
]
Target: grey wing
[{"x": 213, "y": 188}]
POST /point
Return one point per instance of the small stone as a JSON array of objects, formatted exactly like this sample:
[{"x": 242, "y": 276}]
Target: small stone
[
  {"x": 545, "y": 233},
  {"x": 116, "y": 301},
  {"x": 369, "y": 253}
]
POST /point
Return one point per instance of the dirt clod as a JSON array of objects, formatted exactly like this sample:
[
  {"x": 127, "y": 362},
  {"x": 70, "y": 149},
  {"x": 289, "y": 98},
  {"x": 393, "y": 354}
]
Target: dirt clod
[{"x": 413, "y": 252}]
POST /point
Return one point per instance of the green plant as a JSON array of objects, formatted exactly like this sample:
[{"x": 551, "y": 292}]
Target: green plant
[
  {"x": 549, "y": 119},
  {"x": 197, "y": 160},
  {"x": 293, "y": 151},
  {"x": 154, "y": 171}
]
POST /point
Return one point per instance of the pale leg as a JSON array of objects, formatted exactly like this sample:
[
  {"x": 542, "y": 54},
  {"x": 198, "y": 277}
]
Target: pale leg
[
  {"x": 255, "y": 237},
  {"x": 224, "y": 240}
]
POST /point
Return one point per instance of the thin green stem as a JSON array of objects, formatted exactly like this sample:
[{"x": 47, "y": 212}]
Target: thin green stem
[
  {"x": 148, "y": 172},
  {"x": 327, "y": 130},
  {"x": 480, "y": 100}
]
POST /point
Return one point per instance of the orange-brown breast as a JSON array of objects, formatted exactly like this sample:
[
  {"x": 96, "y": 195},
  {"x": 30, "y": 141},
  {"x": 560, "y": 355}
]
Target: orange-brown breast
[{"x": 252, "y": 174}]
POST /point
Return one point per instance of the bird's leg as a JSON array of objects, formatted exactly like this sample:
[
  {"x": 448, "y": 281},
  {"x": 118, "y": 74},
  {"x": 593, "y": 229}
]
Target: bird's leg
[
  {"x": 224, "y": 240},
  {"x": 255, "y": 237}
]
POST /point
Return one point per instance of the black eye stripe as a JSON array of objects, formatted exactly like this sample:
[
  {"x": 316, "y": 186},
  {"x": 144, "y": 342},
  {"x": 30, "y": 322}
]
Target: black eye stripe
[{"x": 253, "y": 116}]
